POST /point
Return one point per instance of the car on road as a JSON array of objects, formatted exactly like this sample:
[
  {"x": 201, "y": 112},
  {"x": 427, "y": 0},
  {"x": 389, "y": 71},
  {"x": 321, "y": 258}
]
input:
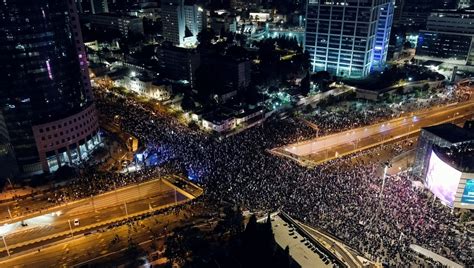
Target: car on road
[{"x": 76, "y": 222}]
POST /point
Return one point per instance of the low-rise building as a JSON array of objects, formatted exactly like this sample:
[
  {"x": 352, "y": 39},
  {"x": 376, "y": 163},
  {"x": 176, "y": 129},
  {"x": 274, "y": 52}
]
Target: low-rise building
[
  {"x": 124, "y": 24},
  {"x": 225, "y": 120},
  {"x": 231, "y": 73},
  {"x": 145, "y": 9},
  {"x": 177, "y": 63},
  {"x": 218, "y": 122},
  {"x": 146, "y": 86},
  {"x": 223, "y": 22},
  {"x": 448, "y": 39}
]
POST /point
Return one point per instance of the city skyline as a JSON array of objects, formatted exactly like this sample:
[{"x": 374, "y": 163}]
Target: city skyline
[{"x": 230, "y": 134}]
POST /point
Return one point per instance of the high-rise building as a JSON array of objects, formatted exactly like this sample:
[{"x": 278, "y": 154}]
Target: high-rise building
[
  {"x": 448, "y": 38},
  {"x": 99, "y": 6},
  {"x": 178, "y": 63},
  {"x": 182, "y": 21},
  {"x": 47, "y": 112},
  {"x": 413, "y": 15},
  {"x": 92, "y": 6},
  {"x": 348, "y": 38},
  {"x": 123, "y": 24},
  {"x": 83, "y": 6},
  {"x": 465, "y": 4}
]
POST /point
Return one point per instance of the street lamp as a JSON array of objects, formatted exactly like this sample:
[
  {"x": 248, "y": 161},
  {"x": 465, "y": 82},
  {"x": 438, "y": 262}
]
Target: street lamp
[
  {"x": 9, "y": 212},
  {"x": 175, "y": 196},
  {"x": 126, "y": 210},
  {"x": 6, "y": 247},
  {"x": 70, "y": 228},
  {"x": 385, "y": 169}
]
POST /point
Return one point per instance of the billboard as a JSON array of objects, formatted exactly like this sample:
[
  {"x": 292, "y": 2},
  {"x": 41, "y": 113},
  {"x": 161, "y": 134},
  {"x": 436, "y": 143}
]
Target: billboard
[
  {"x": 468, "y": 194},
  {"x": 442, "y": 179}
]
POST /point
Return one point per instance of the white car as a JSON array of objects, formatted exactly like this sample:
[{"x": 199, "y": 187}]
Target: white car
[{"x": 76, "y": 222}]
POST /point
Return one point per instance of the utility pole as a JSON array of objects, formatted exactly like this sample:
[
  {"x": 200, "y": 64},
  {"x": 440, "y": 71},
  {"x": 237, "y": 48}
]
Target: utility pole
[
  {"x": 126, "y": 211},
  {"x": 93, "y": 205},
  {"x": 115, "y": 190},
  {"x": 70, "y": 228},
  {"x": 6, "y": 247},
  {"x": 175, "y": 196},
  {"x": 383, "y": 179},
  {"x": 9, "y": 213}
]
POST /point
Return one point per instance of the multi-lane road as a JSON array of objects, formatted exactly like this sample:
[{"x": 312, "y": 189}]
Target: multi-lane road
[
  {"x": 329, "y": 147},
  {"x": 101, "y": 246},
  {"x": 79, "y": 216}
]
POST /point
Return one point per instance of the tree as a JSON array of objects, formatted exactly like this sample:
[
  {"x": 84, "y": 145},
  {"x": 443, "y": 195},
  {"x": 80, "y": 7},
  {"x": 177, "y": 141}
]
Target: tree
[
  {"x": 205, "y": 37},
  {"x": 273, "y": 89},
  {"x": 322, "y": 78},
  {"x": 233, "y": 221},
  {"x": 407, "y": 45},
  {"x": 417, "y": 91},
  {"x": 187, "y": 104},
  {"x": 306, "y": 62},
  {"x": 426, "y": 87},
  {"x": 305, "y": 85},
  {"x": 240, "y": 39},
  {"x": 251, "y": 228},
  {"x": 400, "y": 90},
  {"x": 193, "y": 125},
  {"x": 133, "y": 252},
  {"x": 185, "y": 244},
  {"x": 252, "y": 95}
]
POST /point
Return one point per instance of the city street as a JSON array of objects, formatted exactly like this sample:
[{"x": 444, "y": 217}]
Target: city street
[
  {"x": 30, "y": 207},
  {"x": 100, "y": 246},
  {"x": 88, "y": 213},
  {"x": 325, "y": 148}
]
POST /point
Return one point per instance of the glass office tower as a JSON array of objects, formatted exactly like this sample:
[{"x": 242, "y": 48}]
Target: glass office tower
[
  {"x": 348, "y": 37},
  {"x": 45, "y": 95},
  {"x": 448, "y": 38},
  {"x": 182, "y": 21}
]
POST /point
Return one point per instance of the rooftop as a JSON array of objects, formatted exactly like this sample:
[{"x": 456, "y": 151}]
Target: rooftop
[
  {"x": 302, "y": 250},
  {"x": 219, "y": 116},
  {"x": 441, "y": 12},
  {"x": 250, "y": 111},
  {"x": 459, "y": 157},
  {"x": 111, "y": 15},
  {"x": 451, "y": 133}
]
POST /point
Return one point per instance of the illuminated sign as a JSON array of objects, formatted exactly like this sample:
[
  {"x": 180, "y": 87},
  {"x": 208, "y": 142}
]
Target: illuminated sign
[
  {"x": 442, "y": 179},
  {"x": 468, "y": 194}
]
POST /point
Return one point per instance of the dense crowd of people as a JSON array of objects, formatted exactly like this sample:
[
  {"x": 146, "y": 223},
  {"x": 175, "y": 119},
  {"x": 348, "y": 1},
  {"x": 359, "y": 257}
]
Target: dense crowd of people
[
  {"x": 343, "y": 196},
  {"x": 93, "y": 183},
  {"x": 353, "y": 114}
]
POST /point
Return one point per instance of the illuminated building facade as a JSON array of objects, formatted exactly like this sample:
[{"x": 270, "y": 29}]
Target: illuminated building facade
[
  {"x": 348, "y": 37},
  {"x": 48, "y": 115},
  {"x": 443, "y": 136},
  {"x": 448, "y": 38},
  {"x": 182, "y": 22}
]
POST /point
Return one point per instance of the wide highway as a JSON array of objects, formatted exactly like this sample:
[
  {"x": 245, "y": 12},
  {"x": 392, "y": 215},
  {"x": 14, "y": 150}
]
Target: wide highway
[
  {"x": 100, "y": 246},
  {"x": 322, "y": 149},
  {"x": 90, "y": 212}
]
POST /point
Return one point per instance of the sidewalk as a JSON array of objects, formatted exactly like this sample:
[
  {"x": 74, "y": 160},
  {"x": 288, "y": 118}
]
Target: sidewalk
[{"x": 19, "y": 192}]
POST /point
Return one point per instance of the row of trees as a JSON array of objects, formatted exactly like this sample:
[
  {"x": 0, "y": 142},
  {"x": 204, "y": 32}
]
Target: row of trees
[{"x": 229, "y": 244}]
